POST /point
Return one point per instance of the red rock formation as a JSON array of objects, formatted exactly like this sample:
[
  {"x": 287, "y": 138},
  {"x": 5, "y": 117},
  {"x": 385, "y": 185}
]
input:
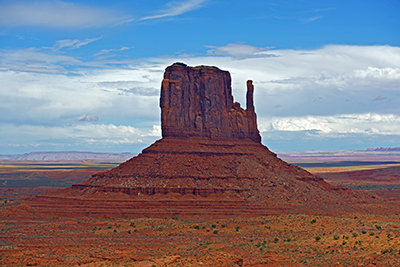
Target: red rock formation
[
  {"x": 210, "y": 162},
  {"x": 198, "y": 102}
]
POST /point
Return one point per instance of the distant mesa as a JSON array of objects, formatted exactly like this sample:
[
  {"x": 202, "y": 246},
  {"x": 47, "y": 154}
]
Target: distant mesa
[
  {"x": 209, "y": 163},
  {"x": 384, "y": 149},
  {"x": 66, "y": 156}
]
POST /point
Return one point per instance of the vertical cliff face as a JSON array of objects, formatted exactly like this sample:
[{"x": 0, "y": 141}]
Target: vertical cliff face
[{"x": 198, "y": 101}]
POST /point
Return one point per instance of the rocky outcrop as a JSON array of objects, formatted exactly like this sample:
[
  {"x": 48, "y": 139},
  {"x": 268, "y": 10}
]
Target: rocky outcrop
[
  {"x": 210, "y": 162},
  {"x": 198, "y": 102}
]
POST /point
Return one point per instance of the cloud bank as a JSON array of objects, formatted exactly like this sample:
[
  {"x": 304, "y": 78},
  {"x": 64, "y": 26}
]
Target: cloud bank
[{"x": 336, "y": 93}]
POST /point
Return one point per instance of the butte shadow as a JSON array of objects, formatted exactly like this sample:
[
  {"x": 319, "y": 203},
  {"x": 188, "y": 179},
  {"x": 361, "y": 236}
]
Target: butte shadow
[{"x": 210, "y": 163}]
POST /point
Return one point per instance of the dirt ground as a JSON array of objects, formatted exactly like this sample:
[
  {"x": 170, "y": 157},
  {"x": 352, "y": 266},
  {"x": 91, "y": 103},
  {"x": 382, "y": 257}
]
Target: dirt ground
[
  {"x": 279, "y": 240},
  {"x": 274, "y": 240}
]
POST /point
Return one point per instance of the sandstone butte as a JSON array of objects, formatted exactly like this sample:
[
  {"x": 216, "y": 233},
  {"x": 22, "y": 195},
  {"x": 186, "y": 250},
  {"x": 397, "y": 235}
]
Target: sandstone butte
[{"x": 209, "y": 163}]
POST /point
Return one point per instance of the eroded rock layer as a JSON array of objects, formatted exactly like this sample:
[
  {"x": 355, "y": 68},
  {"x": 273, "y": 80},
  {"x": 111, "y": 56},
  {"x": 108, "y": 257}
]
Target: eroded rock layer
[
  {"x": 197, "y": 178},
  {"x": 198, "y": 101}
]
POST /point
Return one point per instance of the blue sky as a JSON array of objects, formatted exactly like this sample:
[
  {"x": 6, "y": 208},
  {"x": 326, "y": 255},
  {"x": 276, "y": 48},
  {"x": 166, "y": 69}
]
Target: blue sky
[{"x": 85, "y": 75}]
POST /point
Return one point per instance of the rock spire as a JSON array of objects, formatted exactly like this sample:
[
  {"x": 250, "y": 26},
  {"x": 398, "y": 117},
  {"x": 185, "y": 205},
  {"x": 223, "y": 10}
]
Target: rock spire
[{"x": 198, "y": 102}]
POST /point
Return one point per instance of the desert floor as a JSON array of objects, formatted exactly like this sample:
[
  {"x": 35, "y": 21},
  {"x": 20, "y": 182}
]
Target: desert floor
[{"x": 275, "y": 240}]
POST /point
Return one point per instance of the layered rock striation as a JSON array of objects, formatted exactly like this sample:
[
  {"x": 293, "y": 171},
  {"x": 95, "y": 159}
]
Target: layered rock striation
[{"x": 198, "y": 102}]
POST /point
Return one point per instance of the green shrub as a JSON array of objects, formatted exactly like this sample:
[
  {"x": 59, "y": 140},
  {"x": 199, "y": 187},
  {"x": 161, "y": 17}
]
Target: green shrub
[
  {"x": 317, "y": 238},
  {"x": 175, "y": 218},
  {"x": 276, "y": 240},
  {"x": 215, "y": 232},
  {"x": 336, "y": 237},
  {"x": 313, "y": 221},
  {"x": 378, "y": 227},
  {"x": 388, "y": 250},
  {"x": 363, "y": 232},
  {"x": 196, "y": 227},
  {"x": 355, "y": 234}
]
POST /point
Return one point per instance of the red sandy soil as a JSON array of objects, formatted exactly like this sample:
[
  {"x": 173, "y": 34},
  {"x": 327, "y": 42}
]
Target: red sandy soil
[
  {"x": 388, "y": 175},
  {"x": 60, "y": 179},
  {"x": 383, "y": 182},
  {"x": 31, "y": 238},
  {"x": 275, "y": 240},
  {"x": 23, "y": 192}
]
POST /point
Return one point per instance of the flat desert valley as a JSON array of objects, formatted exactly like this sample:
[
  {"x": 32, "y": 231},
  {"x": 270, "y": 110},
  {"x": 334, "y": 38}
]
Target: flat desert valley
[{"x": 28, "y": 238}]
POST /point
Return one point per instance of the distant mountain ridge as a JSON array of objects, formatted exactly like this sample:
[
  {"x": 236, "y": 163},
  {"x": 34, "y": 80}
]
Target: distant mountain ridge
[
  {"x": 67, "y": 155},
  {"x": 384, "y": 149}
]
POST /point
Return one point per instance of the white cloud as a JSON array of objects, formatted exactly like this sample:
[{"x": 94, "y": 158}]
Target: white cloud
[
  {"x": 107, "y": 133},
  {"x": 74, "y": 44},
  {"x": 310, "y": 87},
  {"x": 156, "y": 131},
  {"x": 313, "y": 19},
  {"x": 368, "y": 123},
  {"x": 109, "y": 93},
  {"x": 33, "y": 60},
  {"x": 378, "y": 73},
  {"x": 175, "y": 8},
  {"x": 103, "y": 135},
  {"x": 106, "y": 51},
  {"x": 57, "y": 14},
  {"x": 235, "y": 50}
]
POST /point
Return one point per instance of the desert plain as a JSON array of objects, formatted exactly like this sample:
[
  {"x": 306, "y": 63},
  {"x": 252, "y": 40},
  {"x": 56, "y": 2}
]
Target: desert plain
[{"x": 28, "y": 238}]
